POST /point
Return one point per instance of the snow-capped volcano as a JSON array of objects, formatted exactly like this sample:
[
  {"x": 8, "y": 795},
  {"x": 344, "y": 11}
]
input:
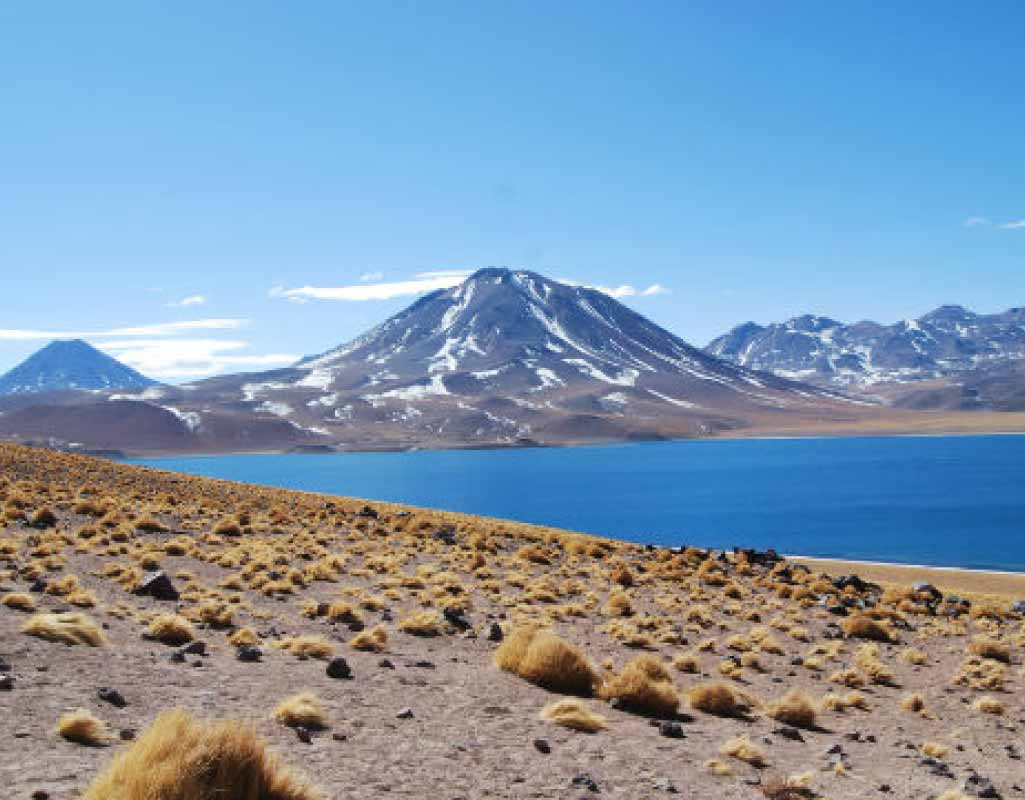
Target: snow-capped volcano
[
  {"x": 68, "y": 365},
  {"x": 506, "y": 356}
]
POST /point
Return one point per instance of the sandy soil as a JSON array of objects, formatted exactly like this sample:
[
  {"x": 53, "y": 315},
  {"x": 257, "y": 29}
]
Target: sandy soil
[{"x": 473, "y": 726}]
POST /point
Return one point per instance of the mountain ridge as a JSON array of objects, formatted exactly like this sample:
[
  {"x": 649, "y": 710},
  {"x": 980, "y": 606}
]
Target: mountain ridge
[{"x": 69, "y": 365}]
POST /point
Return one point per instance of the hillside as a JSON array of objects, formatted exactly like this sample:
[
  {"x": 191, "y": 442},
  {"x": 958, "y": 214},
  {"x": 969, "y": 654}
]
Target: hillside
[{"x": 446, "y": 655}]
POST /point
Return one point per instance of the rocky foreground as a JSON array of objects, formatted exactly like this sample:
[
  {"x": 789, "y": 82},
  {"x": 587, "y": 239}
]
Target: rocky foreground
[{"x": 376, "y": 651}]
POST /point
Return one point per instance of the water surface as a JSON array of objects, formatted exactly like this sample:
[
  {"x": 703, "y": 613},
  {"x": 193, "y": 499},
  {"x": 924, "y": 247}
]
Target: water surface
[{"x": 945, "y": 501}]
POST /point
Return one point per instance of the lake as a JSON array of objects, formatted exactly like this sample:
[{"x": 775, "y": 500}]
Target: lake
[{"x": 946, "y": 501}]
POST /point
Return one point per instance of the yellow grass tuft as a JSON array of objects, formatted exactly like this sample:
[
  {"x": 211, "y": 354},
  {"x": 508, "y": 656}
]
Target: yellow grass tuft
[
  {"x": 306, "y": 646},
  {"x": 913, "y": 702},
  {"x": 742, "y": 748},
  {"x": 374, "y": 640},
  {"x": 794, "y": 708},
  {"x": 19, "y": 601},
  {"x": 984, "y": 647},
  {"x": 423, "y": 623},
  {"x": 988, "y": 705},
  {"x": 69, "y": 628},
  {"x": 171, "y": 629},
  {"x": 718, "y": 699},
  {"x": 862, "y": 627},
  {"x": 301, "y": 710},
  {"x": 180, "y": 758},
  {"x": 935, "y": 750},
  {"x": 574, "y": 714},
  {"x": 544, "y": 659},
  {"x": 81, "y": 727},
  {"x": 644, "y": 686}
]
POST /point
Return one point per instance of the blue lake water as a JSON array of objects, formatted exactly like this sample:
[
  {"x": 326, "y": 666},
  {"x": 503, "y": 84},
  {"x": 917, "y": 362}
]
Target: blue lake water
[{"x": 946, "y": 501}]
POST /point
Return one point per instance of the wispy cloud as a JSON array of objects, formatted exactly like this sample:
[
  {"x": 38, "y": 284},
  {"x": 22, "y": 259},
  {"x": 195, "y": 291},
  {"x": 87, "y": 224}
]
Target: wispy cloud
[
  {"x": 423, "y": 282},
  {"x": 371, "y": 277},
  {"x": 985, "y": 222},
  {"x": 177, "y": 358},
  {"x": 185, "y": 302},
  {"x": 158, "y": 329},
  {"x": 619, "y": 292},
  {"x": 655, "y": 289}
]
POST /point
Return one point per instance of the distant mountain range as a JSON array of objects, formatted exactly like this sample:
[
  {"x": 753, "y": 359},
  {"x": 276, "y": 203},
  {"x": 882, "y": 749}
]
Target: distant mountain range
[
  {"x": 67, "y": 365},
  {"x": 505, "y": 358},
  {"x": 948, "y": 358}
]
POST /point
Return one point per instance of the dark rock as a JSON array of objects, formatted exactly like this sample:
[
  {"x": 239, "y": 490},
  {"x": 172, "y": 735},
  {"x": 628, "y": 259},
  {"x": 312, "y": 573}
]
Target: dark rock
[
  {"x": 384, "y": 663},
  {"x": 303, "y": 734},
  {"x": 249, "y": 653},
  {"x": 977, "y": 786},
  {"x": 787, "y": 732},
  {"x": 665, "y": 785},
  {"x": 339, "y": 669},
  {"x": 177, "y": 657},
  {"x": 39, "y": 794},
  {"x": 671, "y": 730},
  {"x": 446, "y": 536},
  {"x": 585, "y": 781},
  {"x": 195, "y": 649},
  {"x": 423, "y": 664},
  {"x": 1018, "y": 606},
  {"x": 127, "y": 734},
  {"x": 4, "y": 666},
  {"x": 38, "y": 586},
  {"x": 6, "y": 683},
  {"x": 355, "y": 625},
  {"x": 367, "y": 512},
  {"x": 542, "y": 746},
  {"x": 112, "y": 696},
  {"x": 885, "y": 788},
  {"x": 922, "y": 587},
  {"x": 838, "y": 610},
  {"x": 495, "y": 633},
  {"x": 158, "y": 586},
  {"x": 406, "y": 713},
  {"x": 457, "y": 619},
  {"x": 937, "y": 768}
]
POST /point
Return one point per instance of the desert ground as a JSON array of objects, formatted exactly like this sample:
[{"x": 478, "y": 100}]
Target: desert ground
[{"x": 363, "y": 649}]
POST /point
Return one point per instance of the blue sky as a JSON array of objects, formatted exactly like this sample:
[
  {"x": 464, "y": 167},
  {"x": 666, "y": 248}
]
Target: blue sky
[{"x": 757, "y": 161}]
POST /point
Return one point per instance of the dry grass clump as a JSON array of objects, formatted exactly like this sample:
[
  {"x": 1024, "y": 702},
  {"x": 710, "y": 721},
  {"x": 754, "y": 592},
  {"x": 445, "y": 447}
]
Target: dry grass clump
[
  {"x": 984, "y": 647},
  {"x": 742, "y": 748},
  {"x": 179, "y": 758},
  {"x": 423, "y": 623},
  {"x": 81, "y": 727},
  {"x": 718, "y": 699},
  {"x": 913, "y": 655},
  {"x": 794, "y": 708},
  {"x": 544, "y": 659},
  {"x": 301, "y": 710},
  {"x": 863, "y": 627},
  {"x": 913, "y": 702},
  {"x": 171, "y": 629},
  {"x": 935, "y": 750},
  {"x": 574, "y": 714},
  {"x": 687, "y": 662},
  {"x": 69, "y": 628},
  {"x": 988, "y": 705},
  {"x": 19, "y": 601},
  {"x": 793, "y": 787},
  {"x": 306, "y": 646},
  {"x": 373, "y": 640},
  {"x": 244, "y": 637},
  {"x": 644, "y": 686}
]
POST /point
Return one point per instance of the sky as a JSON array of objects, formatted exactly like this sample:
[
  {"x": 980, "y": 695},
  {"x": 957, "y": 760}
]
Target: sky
[{"x": 209, "y": 187}]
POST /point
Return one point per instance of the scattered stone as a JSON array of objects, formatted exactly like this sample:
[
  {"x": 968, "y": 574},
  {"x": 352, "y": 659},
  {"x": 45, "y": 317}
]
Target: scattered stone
[
  {"x": 303, "y": 734},
  {"x": 406, "y": 713},
  {"x": 542, "y": 746},
  {"x": 787, "y": 732},
  {"x": 6, "y": 683},
  {"x": 339, "y": 736},
  {"x": 39, "y": 794},
  {"x": 339, "y": 669},
  {"x": 495, "y": 633},
  {"x": 384, "y": 663},
  {"x": 38, "y": 586},
  {"x": 457, "y": 619},
  {"x": 196, "y": 648},
  {"x": 585, "y": 781},
  {"x": 423, "y": 664},
  {"x": 671, "y": 730},
  {"x": 177, "y": 657},
  {"x": 666, "y": 785},
  {"x": 127, "y": 734},
  {"x": 249, "y": 653},
  {"x": 838, "y": 610},
  {"x": 4, "y": 666},
  {"x": 112, "y": 696},
  {"x": 975, "y": 785},
  {"x": 158, "y": 586},
  {"x": 1018, "y": 606},
  {"x": 367, "y": 512},
  {"x": 922, "y": 587},
  {"x": 885, "y": 788},
  {"x": 937, "y": 767}
]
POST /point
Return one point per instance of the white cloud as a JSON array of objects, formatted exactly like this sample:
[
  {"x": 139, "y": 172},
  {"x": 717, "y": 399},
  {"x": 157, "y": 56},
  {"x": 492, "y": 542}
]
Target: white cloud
[
  {"x": 1014, "y": 226},
  {"x": 975, "y": 222},
  {"x": 655, "y": 289},
  {"x": 619, "y": 292},
  {"x": 191, "y": 300},
  {"x": 371, "y": 277},
  {"x": 984, "y": 222},
  {"x": 626, "y": 290},
  {"x": 175, "y": 358},
  {"x": 158, "y": 329},
  {"x": 423, "y": 282}
]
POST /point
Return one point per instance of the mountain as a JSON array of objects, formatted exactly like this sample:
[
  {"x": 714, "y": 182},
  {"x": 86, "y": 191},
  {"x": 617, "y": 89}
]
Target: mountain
[
  {"x": 506, "y": 357},
  {"x": 943, "y": 346},
  {"x": 67, "y": 365}
]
